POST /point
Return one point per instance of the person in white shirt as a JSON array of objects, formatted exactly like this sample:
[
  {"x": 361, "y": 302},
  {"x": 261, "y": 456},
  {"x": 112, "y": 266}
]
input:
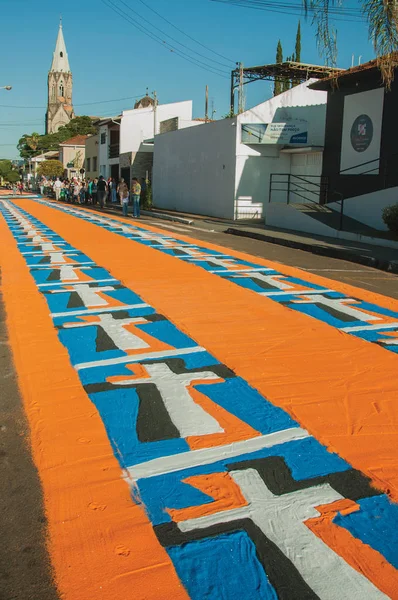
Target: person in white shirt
[{"x": 57, "y": 188}]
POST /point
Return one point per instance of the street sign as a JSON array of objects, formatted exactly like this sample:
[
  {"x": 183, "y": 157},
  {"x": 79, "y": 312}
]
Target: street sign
[{"x": 70, "y": 165}]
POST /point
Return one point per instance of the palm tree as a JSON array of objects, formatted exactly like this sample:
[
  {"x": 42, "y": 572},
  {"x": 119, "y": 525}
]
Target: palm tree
[
  {"x": 382, "y": 18},
  {"x": 33, "y": 141}
]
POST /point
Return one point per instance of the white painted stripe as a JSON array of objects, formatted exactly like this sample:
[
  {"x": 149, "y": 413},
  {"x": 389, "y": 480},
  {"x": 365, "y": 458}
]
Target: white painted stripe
[
  {"x": 206, "y": 456},
  {"x": 245, "y": 271},
  {"x": 369, "y": 327},
  {"x": 49, "y": 252},
  {"x": 92, "y": 311},
  {"x": 138, "y": 357},
  {"x": 57, "y": 266},
  {"x": 40, "y": 244},
  {"x": 73, "y": 282},
  {"x": 302, "y": 293}
]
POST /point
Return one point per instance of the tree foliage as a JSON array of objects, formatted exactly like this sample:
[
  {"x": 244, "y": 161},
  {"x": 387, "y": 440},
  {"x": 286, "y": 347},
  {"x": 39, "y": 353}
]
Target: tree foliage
[
  {"x": 7, "y": 171},
  {"x": 297, "y": 55},
  {"x": 279, "y": 59},
  {"x": 382, "y": 18},
  {"x": 51, "y": 168},
  {"x": 33, "y": 144}
]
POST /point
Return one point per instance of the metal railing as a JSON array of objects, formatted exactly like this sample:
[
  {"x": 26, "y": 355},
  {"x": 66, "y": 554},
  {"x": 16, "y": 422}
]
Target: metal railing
[
  {"x": 114, "y": 151},
  {"x": 375, "y": 169},
  {"x": 313, "y": 189},
  {"x": 309, "y": 188}
]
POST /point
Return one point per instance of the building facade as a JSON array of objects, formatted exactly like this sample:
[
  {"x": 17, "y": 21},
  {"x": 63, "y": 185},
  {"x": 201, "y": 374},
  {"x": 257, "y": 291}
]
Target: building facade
[
  {"x": 126, "y": 142},
  {"x": 91, "y": 161},
  {"x": 224, "y": 168},
  {"x": 60, "y": 86},
  {"x": 360, "y": 154},
  {"x": 72, "y": 155}
]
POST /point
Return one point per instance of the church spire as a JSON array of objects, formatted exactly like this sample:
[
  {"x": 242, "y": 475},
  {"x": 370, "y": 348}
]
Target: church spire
[{"x": 60, "y": 62}]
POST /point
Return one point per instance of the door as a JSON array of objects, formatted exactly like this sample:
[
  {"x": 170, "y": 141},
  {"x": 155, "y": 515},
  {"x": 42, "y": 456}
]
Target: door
[
  {"x": 125, "y": 174},
  {"x": 115, "y": 172}
]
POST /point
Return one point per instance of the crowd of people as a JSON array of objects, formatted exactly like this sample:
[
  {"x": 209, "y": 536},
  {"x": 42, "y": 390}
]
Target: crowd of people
[{"x": 98, "y": 191}]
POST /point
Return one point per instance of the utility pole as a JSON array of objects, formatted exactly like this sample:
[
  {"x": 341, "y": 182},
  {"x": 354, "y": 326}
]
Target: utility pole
[
  {"x": 155, "y": 110},
  {"x": 241, "y": 91},
  {"x": 232, "y": 110},
  {"x": 207, "y": 104}
]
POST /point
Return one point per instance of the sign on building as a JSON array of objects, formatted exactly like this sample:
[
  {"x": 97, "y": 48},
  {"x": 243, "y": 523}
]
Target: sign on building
[
  {"x": 361, "y": 136},
  {"x": 291, "y": 133}
]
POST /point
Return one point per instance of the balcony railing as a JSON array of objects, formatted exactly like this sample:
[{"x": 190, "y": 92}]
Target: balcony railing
[{"x": 114, "y": 151}]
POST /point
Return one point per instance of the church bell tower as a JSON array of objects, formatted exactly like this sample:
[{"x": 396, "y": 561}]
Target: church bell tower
[{"x": 60, "y": 108}]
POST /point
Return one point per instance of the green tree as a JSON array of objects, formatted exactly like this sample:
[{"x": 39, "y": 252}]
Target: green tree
[
  {"x": 297, "y": 55},
  {"x": 279, "y": 59},
  {"x": 13, "y": 176},
  {"x": 34, "y": 144},
  {"x": 7, "y": 171},
  {"x": 78, "y": 126},
  {"x": 5, "y": 167},
  {"x": 51, "y": 168}
]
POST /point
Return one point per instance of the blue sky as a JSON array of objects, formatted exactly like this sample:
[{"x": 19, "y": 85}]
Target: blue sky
[{"x": 111, "y": 58}]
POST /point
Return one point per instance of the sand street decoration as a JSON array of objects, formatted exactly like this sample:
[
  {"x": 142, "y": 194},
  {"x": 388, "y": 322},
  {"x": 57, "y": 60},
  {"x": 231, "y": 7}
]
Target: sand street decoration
[{"x": 246, "y": 503}]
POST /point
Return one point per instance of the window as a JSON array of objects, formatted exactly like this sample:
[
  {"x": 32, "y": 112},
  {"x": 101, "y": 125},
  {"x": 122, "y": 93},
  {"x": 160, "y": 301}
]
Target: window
[
  {"x": 103, "y": 138},
  {"x": 88, "y": 164},
  {"x": 61, "y": 89},
  {"x": 94, "y": 163},
  {"x": 61, "y": 54}
]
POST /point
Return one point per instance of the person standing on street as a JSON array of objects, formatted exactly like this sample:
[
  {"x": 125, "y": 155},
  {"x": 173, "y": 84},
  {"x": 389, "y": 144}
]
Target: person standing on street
[
  {"x": 94, "y": 191},
  {"x": 101, "y": 191},
  {"x": 113, "y": 191},
  {"x": 57, "y": 188},
  {"x": 136, "y": 193},
  {"x": 123, "y": 192}
]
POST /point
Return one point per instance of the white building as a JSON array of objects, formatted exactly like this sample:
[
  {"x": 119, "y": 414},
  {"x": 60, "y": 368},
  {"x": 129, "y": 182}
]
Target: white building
[
  {"x": 126, "y": 141},
  {"x": 224, "y": 168}
]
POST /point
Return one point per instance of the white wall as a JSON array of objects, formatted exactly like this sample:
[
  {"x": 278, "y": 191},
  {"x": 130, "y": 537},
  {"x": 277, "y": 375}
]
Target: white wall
[
  {"x": 287, "y": 217},
  {"x": 368, "y": 207},
  {"x": 194, "y": 169},
  {"x": 138, "y": 125},
  {"x": 253, "y": 180},
  {"x": 297, "y": 104}
]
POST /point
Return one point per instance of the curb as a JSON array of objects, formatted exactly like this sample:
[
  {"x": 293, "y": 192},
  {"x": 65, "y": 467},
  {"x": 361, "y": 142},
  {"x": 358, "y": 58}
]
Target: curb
[
  {"x": 165, "y": 217},
  {"x": 367, "y": 261}
]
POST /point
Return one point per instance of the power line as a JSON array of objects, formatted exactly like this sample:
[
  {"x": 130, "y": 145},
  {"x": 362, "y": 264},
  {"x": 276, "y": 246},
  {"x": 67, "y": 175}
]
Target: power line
[
  {"x": 163, "y": 43},
  {"x": 172, "y": 38},
  {"x": 85, "y": 104},
  {"x": 184, "y": 33},
  {"x": 334, "y": 14}
]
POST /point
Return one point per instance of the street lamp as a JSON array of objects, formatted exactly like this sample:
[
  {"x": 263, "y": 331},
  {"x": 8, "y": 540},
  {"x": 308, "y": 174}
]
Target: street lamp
[{"x": 6, "y": 87}]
